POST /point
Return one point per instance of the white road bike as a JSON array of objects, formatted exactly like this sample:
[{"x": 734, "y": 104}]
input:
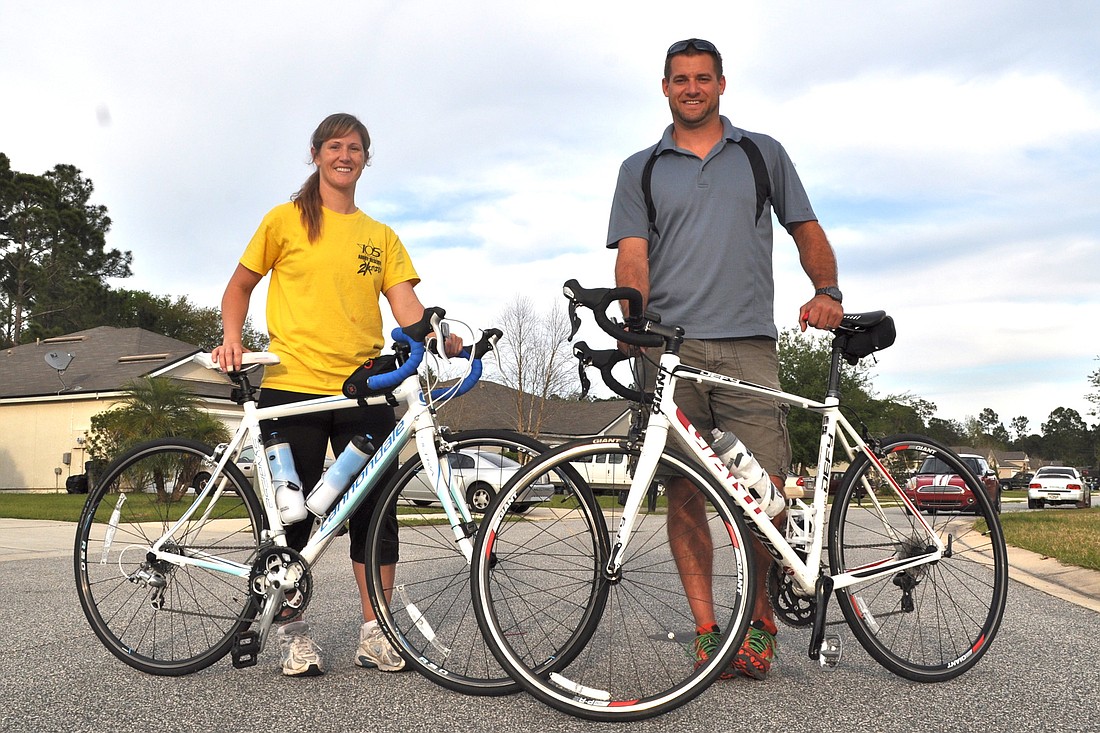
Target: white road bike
[
  {"x": 603, "y": 578},
  {"x": 180, "y": 559}
]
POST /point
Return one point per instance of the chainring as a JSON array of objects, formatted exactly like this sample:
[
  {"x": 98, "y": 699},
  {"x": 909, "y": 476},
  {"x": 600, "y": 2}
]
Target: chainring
[
  {"x": 790, "y": 607},
  {"x": 281, "y": 568}
]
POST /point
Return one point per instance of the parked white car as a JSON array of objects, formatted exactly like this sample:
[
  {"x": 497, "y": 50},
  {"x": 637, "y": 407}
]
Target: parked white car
[
  {"x": 612, "y": 473},
  {"x": 481, "y": 475},
  {"x": 1058, "y": 485},
  {"x": 604, "y": 471}
]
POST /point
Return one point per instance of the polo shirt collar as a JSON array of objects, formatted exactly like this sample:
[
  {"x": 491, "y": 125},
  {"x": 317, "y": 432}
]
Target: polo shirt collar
[{"x": 732, "y": 134}]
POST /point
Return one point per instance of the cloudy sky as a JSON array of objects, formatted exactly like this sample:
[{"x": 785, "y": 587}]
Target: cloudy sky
[{"x": 950, "y": 148}]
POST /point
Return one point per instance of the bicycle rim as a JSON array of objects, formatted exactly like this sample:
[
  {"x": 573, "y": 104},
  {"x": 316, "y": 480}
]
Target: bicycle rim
[
  {"x": 158, "y": 617},
  {"x": 932, "y": 622},
  {"x": 428, "y": 613},
  {"x": 597, "y": 645}
]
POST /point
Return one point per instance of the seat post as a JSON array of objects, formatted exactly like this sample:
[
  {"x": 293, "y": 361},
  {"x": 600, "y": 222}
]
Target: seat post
[
  {"x": 244, "y": 391},
  {"x": 833, "y": 389}
]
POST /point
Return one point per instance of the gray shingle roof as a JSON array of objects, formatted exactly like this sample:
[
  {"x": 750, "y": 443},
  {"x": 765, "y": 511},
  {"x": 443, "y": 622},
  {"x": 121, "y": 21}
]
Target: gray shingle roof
[
  {"x": 104, "y": 359},
  {"x": 491, "y": 405}
]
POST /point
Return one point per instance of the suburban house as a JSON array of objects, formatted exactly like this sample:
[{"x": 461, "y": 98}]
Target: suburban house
[
  {"x": 491, "y": 405},
  {"x": 46, "y": 404},
  {"x": 1009, "y": 463},
  {"x": 1006, "y": 463}
]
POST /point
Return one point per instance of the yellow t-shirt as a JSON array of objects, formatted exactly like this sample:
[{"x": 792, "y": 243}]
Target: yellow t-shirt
[{"x": 322, "y": 303}]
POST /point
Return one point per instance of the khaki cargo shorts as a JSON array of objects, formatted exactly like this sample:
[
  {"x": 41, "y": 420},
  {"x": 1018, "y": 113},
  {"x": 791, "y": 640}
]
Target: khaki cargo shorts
[{"x": 760, "y": 422}]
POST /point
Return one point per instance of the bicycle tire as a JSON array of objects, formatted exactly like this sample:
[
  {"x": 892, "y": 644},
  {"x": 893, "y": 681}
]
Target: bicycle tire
[
  {"x": 190, "y": 621},
  {"x": 431, "y": 621},
  {"x": 600, "y": 646},
  {"x": 933, "y": 622}
]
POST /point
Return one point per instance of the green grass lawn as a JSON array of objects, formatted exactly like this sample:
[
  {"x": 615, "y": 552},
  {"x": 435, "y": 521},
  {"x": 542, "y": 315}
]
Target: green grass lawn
[
  {"x": 67, "y": 507},
  {"x": 1070, "y": 535},
  {"x": 59, "y": 507}
]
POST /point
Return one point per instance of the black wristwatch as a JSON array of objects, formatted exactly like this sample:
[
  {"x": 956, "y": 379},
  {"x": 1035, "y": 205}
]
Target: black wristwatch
[{"x": 832, "y": 291}]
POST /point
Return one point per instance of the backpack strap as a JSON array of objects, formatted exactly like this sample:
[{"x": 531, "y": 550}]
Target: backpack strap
[
  {"x": 759, "y": 174},
  {"x": 647, "y": 190}
]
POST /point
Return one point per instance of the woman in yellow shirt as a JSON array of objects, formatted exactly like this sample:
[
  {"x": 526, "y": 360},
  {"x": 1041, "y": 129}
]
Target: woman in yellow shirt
[{"x": 329, "y": 263}]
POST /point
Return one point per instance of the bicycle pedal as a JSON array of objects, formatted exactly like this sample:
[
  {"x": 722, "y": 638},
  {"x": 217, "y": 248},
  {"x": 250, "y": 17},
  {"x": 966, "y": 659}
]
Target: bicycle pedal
[
  {"x": 246, "y": 649},
  {"x": 830, "y": 653}
]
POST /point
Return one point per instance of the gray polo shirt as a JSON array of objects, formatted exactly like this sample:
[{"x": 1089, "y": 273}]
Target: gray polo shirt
[{"x": 710, "y": 268}]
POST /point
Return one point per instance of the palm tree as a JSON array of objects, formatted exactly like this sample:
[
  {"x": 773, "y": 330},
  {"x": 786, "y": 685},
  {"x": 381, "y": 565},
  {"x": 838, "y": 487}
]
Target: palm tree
[{"x": 155, "y": 407}]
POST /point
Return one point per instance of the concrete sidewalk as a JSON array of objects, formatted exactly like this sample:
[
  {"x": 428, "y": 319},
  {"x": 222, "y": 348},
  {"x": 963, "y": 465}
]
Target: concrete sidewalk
[{"x": 30, "y": 539}]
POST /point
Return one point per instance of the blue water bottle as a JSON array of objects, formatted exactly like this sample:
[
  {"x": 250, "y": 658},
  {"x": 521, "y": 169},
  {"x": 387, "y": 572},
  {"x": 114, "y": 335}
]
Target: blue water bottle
[
  {"x": 288, "y": 487},
  {"x": 340, "y": 475}
]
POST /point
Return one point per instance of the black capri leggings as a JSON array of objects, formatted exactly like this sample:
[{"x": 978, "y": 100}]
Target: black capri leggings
[{"x": 309, "y": 437}]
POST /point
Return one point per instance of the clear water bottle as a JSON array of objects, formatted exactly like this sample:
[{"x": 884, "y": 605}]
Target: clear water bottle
[
  {"x": 747, "y": 470},
  {"x": 289, "y": 499},
  {"x": 340, "y": 475}
]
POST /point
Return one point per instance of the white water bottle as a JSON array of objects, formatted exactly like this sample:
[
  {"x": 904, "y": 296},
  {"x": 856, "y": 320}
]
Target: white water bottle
[
  {"x": 747, "y": 470},
  {"x": 288, "y": 487},
  {"x": 339, "y": 475}
]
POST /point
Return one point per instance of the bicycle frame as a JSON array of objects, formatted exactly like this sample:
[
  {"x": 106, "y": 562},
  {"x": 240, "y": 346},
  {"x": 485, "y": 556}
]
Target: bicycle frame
[{"x": 665, "y": 415}]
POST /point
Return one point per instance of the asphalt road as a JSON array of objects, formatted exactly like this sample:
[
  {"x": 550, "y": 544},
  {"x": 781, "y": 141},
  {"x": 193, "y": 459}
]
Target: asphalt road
[{"x": 1042, "y": 674}]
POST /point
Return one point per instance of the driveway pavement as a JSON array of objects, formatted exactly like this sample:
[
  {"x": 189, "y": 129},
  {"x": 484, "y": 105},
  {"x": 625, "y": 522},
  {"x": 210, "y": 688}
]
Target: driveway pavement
[{"x": 56, "y": 676}]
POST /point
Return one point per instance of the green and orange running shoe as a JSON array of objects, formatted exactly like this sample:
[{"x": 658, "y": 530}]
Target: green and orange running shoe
[
  {"x": 757, "y": 652},
  {"x": 707, "y": 644}
]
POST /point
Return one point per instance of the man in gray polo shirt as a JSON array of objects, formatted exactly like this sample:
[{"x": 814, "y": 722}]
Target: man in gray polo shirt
[{"x": 694, "y": 235}]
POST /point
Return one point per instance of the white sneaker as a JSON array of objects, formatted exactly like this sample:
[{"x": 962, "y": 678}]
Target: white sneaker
[
  {"x": 375, "y": 649},
  {"x": 298, "y": 653}
]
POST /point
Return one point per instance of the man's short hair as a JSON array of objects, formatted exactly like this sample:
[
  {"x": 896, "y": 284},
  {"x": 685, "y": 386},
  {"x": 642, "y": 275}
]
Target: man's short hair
[{"x": 693, "y": 47}]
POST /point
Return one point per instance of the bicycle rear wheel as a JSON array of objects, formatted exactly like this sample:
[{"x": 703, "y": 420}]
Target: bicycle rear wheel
[
  {"x": 427, "y": 613},
  {"x": 159, "y": 617},
  {"x": 935, "y": 621},
  {"x": 618, "y": 645}
]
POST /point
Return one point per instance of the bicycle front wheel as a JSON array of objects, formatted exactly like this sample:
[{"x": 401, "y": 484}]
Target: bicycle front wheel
[
  {"x": 931, "y": 622},
  {"x": 613, "y": 643},
  {"x": 426, "y": 611},
  {"x": 159, "y": 617}
]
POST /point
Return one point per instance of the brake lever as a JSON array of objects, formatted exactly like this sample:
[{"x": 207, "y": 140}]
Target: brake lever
[
  {"x": 574, "y": 319},
  {"x": 438, "y": 344},
  {"x": 582, "y": 363}
]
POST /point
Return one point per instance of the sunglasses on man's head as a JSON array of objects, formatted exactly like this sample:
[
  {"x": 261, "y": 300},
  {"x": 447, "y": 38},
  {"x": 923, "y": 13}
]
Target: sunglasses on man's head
[{"x": 697, "y": 43}]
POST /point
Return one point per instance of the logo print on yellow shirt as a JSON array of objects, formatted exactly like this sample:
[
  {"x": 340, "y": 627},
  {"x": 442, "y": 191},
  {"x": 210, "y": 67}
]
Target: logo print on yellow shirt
[{"x": 370, "y": 259}]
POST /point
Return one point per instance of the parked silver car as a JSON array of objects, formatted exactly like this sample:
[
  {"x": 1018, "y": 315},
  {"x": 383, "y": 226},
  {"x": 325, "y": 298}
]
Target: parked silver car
[
  {"x": 480, "y": 474},
  {"x": 246, "y": 462}
]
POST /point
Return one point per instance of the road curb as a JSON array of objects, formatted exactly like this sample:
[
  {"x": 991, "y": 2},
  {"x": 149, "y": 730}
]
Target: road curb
[{"x": 1076, "y": 585}]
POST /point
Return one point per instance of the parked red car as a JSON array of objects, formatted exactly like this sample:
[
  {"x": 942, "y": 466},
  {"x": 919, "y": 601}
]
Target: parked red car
[{"x": 935, "y": 487}]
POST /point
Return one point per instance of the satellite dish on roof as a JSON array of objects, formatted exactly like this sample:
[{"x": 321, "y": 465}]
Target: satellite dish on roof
[{"x": 59, "y": 360}]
